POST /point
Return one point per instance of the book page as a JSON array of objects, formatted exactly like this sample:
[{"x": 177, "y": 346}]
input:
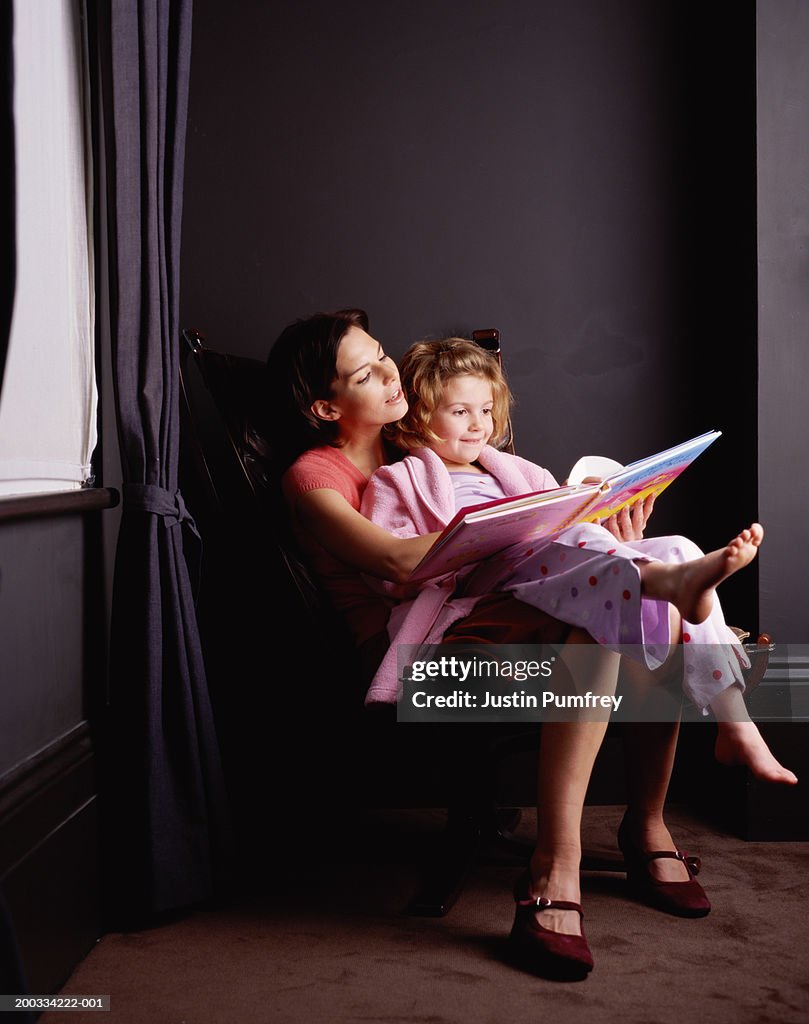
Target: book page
[
  {"x": 597, "y": 466},
  {"x": 647, "y": 476}
]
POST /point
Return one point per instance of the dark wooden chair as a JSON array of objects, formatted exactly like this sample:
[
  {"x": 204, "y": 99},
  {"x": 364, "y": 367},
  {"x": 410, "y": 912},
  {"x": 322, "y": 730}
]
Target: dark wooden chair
[{"x": 231, "y": 487}]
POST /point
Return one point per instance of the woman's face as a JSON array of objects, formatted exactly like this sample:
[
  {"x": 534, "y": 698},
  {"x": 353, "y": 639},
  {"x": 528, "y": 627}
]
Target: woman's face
[{"x": 365, "y": 392}]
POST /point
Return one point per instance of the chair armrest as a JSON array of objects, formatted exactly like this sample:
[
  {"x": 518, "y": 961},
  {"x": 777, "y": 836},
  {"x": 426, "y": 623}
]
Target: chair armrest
[{"x": 758, "y": 651}]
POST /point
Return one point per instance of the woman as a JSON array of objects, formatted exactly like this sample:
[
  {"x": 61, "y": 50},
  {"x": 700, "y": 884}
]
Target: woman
[{"x": 332, "y": 390}]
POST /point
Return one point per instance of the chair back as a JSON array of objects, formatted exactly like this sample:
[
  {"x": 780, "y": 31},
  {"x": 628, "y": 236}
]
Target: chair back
[
  {"x": 227, "y": 459},
  {"x": 489, "y": 339},
  {"x": 230, "y": 472}
]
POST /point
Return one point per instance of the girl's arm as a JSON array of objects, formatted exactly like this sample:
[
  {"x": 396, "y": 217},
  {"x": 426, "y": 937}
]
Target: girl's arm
[{"x": 352, "y": 538}]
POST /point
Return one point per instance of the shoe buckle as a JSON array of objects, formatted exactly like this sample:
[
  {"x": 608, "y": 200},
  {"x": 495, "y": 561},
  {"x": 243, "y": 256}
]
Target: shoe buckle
[
  {"x": 691, "y": 862},
  {"x": 543, "y": 902}
]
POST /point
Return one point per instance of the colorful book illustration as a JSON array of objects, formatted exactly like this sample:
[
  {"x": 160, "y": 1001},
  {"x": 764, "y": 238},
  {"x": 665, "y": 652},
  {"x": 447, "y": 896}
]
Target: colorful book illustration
[{"x": 477, "y": 532}]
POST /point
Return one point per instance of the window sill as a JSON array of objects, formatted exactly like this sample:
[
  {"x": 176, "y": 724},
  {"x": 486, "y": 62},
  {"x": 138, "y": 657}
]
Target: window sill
[{"x": 61, "y": 503}]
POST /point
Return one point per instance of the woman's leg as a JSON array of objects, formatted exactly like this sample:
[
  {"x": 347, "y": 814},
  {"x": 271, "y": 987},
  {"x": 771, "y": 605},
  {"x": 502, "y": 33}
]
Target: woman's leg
[
  {"x": 567, "y": 753},
  {"x": 649, "y": 749},
  {"x": 567, "y": 749}
]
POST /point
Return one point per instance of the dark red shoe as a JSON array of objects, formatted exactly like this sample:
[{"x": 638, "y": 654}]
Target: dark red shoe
[
  {"x": 684, "y": 899},
  {"x": 549, "y": 954}
]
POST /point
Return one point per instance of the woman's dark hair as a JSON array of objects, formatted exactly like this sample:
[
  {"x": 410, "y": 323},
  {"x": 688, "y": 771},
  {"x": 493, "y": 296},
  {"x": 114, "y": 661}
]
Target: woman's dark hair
[{"x": 301, "y": 367}]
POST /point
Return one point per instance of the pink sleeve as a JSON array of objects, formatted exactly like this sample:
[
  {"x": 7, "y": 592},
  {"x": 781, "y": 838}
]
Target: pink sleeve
[
  {"x": 311, "y": 472},
  {"x": 384, "y": 504}
]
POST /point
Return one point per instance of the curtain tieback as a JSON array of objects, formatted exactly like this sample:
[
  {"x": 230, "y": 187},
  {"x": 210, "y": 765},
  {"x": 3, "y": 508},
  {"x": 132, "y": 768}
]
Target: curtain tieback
[{"x": 160, "y": 502}]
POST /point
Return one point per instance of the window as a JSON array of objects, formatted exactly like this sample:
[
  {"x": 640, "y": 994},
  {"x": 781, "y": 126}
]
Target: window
[{"x": 49, "y": 399}]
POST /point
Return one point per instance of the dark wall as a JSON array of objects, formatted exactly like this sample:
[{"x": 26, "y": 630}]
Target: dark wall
[
  {"x": 557, "y": 170},
  {"x": 584, "y": 176},
  {"x": 41, "y": 635},
  {"x": 50, "y": 643},
  {"x": 783, "y": 269}
]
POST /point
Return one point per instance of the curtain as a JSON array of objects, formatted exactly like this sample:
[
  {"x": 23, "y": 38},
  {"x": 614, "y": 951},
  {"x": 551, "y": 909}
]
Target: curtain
[
  {"x": 165, "y": 796},
  {"x": 7, "y": 220}
]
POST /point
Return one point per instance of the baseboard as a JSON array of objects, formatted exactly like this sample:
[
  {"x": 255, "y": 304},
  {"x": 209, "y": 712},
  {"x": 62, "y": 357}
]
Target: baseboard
[{"x": 49, "y": 864}]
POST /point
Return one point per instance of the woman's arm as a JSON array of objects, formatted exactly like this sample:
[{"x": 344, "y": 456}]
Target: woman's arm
[{"x": 352, "y": 538}]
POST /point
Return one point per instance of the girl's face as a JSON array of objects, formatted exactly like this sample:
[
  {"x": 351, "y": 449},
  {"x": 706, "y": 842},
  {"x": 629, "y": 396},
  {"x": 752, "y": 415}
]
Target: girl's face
[
  {"x": 365, "y": 392},
  {"x": 463, "y": 421}
]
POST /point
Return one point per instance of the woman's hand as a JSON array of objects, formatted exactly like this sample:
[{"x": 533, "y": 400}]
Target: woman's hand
[{"x": 630, "y": 522}]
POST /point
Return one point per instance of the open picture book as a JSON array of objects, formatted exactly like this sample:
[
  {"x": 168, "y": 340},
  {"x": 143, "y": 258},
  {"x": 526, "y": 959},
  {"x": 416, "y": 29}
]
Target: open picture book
[{"x": 483, "y": 530}]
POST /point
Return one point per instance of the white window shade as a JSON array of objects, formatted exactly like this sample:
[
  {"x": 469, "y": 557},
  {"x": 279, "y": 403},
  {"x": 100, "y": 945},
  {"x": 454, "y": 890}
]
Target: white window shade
[{"x": 48, "y": 401}]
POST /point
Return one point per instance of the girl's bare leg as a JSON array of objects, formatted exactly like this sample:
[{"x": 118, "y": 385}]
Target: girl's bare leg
[
  {"x": 738, "y": 741},
  {"x": 567, "y": 753},
  {"x": 690, "y": 586}
]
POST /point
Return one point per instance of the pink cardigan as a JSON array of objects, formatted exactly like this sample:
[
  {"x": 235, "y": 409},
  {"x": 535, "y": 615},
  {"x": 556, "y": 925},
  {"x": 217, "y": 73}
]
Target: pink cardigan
[{"x": 414, "y": 497}]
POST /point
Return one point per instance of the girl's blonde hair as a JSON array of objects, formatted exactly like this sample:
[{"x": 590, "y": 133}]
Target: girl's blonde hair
[{"x": 425, "y": 370}]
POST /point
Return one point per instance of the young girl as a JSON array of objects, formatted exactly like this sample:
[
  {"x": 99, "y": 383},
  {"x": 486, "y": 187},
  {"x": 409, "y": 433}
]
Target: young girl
[{"x": 619, "y": 591}]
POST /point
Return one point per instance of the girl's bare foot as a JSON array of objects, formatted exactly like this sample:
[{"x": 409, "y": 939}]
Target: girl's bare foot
[
  {"x": 740, "y": 743},
  {"x": 690, "y": 586}
]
